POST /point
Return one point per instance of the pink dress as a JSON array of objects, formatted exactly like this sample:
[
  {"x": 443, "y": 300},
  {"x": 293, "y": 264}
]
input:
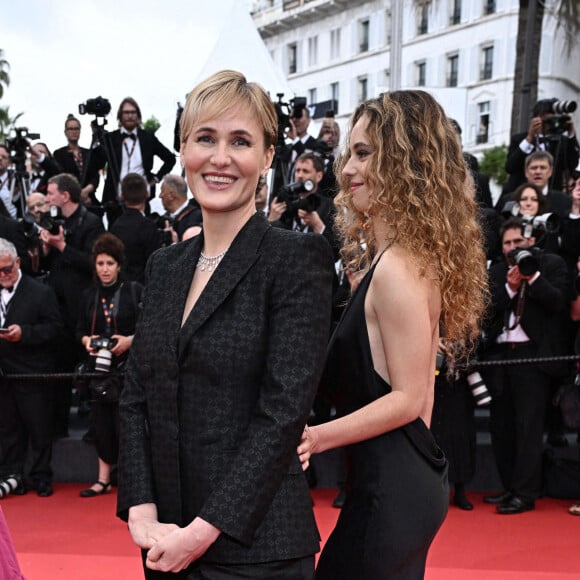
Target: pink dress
[{"x": 9, "y": 568}]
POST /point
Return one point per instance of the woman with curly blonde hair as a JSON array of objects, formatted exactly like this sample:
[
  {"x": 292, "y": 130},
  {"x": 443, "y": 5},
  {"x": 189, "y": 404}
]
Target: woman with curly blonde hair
[{"x": 403, "y": 187}]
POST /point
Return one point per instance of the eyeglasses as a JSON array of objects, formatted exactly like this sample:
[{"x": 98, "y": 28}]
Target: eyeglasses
[{"x": 6, "y": 270}]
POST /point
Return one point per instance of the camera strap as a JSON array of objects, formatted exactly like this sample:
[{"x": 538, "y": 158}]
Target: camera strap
[
  {"x": 109, "y": 310},
  {"x": 519, "y": 307}
]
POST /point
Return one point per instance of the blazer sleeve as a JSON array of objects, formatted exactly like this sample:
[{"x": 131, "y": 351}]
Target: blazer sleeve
[{"x": 300, "y": 310}]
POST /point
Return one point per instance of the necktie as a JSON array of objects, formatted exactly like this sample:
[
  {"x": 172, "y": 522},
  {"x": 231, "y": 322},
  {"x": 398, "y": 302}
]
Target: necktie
[{"x": 129, "y": 136}]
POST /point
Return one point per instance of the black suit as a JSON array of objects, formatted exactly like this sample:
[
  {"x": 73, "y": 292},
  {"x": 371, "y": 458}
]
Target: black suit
[
  {"x": 25, "y": 406},
  {"x": 86, "y": 171},
  {"x": 566, "y": 155},
  {"x": 212, "y": 410},
  {"x": 521, "y": 392},
  {"x": 326, "y": 210},
  {"x": 150, "y": 148},
  {"x": 141, "y": 239},
  {"x": 188, "y": 217}
]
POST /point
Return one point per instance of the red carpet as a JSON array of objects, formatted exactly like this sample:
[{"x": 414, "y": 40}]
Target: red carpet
[{"x": 65, "y": 537}]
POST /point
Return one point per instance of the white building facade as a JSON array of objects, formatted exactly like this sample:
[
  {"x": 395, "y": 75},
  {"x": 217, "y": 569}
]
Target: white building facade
[{"x": 339, "y": 52}]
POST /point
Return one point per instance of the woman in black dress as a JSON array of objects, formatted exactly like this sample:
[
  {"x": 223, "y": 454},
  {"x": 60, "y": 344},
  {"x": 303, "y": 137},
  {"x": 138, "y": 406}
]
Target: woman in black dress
[
  {"x": 108, "y": 313},
  {"x": 402, "y": 183}
]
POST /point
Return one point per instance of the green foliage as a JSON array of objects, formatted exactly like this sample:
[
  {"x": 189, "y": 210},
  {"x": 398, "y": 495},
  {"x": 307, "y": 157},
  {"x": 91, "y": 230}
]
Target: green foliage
[
  {"x": 7, "y": 122},
  {"x": 493, "y": 164},
  {"x": 4, "y": 76},
  {"x": 151, "y": 124}
]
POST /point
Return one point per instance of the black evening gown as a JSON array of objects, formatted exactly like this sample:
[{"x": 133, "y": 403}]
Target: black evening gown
[{"x": 397, "y": 489}]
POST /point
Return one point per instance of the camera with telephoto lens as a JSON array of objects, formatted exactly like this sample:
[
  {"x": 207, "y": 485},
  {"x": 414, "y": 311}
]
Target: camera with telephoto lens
[
  {"x": 547, "y": 222},
  {"x": 291, "y": 195},
  {"x": 98, "y": 106},
  {"x": 553, "y": 127},
  {"x": 104, "y": 356},
  {"x": 525, "y": 259},
  {"x": 478, "y": 389},
  {"x": 51, "y": 220}
]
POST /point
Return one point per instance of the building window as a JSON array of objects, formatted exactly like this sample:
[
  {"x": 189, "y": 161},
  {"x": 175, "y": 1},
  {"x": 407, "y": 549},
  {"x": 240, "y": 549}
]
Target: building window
[
  {"x": 423, "y": 19},
  {"x": 483, "y": 131},
  {"x": 452, "y": 70},
  {"x": 388, "y": 26},
  {"x": 487, "y": 63},
  {"x": 363, "y": 89},
  {"x": 363, "y": 36},
  {"x": 421, "y": 73},
  {"x": 313, "y": 51},
  {"x": 334, "y": 88},
  {"x": 455, "y": 15},
  {"x": 488, "y": 7},
  {"x": 292, "y": 58},
  {"x": 335, "y": 43},
  {"x": 312, "y": 97}
]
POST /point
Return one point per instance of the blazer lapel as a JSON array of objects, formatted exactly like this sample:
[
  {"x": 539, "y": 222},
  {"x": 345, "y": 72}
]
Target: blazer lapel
[{"x": 242, "y": 254}]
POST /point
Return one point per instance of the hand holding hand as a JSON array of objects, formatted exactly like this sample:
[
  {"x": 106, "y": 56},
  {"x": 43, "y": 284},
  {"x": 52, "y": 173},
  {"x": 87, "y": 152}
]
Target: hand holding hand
[
  {"x": 182, "y": 546},
  {"x": 307, "y": 446},
  {"x": 144, "y": 527}
]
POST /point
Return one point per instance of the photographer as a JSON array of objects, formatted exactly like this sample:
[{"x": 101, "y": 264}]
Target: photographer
[
  {"x": 7, "y": 184},
  {"x": 134, "y": 150},
  {"x": 306, "y": 211},
  {"x": 182, "y": 214},
  {"x": 528, "y": 309},
  {"x": 138, "y": 233},
  {"x": 67, "y": 243},
  {"x": 107, "y": 321},
  {"x": 551, "y": 131}
]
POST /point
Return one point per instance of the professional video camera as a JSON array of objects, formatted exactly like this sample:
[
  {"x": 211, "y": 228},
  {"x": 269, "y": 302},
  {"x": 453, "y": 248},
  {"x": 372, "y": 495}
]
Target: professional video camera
[
  {"x": 291, "y": 195},
  {"x": 525, "y": 259},
  {"x": 547, "y": 222},
  {"x": 17, "y": 144},
  {"x": 99, "y": 107},
  {"x": 286, "y": 111},
  {"x": 557, "y": 124}
]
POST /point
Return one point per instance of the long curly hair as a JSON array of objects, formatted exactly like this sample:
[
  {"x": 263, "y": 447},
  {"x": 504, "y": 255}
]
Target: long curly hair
[{"x": 419, "y": 186}]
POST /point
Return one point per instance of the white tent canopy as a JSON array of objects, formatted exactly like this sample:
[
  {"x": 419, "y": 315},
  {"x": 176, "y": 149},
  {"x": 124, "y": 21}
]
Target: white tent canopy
[{"x": 239, "y": 46}]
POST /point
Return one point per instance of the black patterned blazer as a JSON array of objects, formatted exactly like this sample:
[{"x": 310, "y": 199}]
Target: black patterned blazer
[{"x": 212, "y": 412}]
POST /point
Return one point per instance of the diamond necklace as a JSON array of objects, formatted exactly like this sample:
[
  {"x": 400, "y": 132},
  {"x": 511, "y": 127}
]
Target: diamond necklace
[{"x": 210, "y": 262}]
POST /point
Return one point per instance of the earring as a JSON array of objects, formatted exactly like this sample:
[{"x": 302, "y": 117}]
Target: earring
[{"x": 367, "y": 222}]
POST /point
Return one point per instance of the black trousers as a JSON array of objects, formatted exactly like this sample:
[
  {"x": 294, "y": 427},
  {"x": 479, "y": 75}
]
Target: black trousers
[
  {"x": 26, "y": 418},
  {"x": 297, "y": 569},
  {"x": 517, "y": 416}
]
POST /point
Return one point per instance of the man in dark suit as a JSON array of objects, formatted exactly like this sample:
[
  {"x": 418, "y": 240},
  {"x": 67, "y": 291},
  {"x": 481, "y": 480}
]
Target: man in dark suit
[
  {"x": 30, "y": 328},
  {"x": 183, "y": 215},
  {"x": 564, "y": 147},
  {"x": 67, "y": 259},
  {"x": 212, "y": 408},
  {"x": 138, "y": 233},
  {"x": 318, "y": 217},
  {"x": 132, "y": 150},
  {"x": 528, "y": 308},
  {"x": 539, "y": 168}
]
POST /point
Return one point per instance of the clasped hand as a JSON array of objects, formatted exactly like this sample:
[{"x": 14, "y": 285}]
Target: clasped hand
[{"x": 307, "y": 446}]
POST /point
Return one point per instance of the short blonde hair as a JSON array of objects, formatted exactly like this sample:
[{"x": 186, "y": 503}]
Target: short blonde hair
[{"x": 221, "y": 92}]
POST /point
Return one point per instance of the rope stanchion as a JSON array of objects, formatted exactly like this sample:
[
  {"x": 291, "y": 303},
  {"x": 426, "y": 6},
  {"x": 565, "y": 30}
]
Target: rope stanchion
[{"x": 523, "y": 361}]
